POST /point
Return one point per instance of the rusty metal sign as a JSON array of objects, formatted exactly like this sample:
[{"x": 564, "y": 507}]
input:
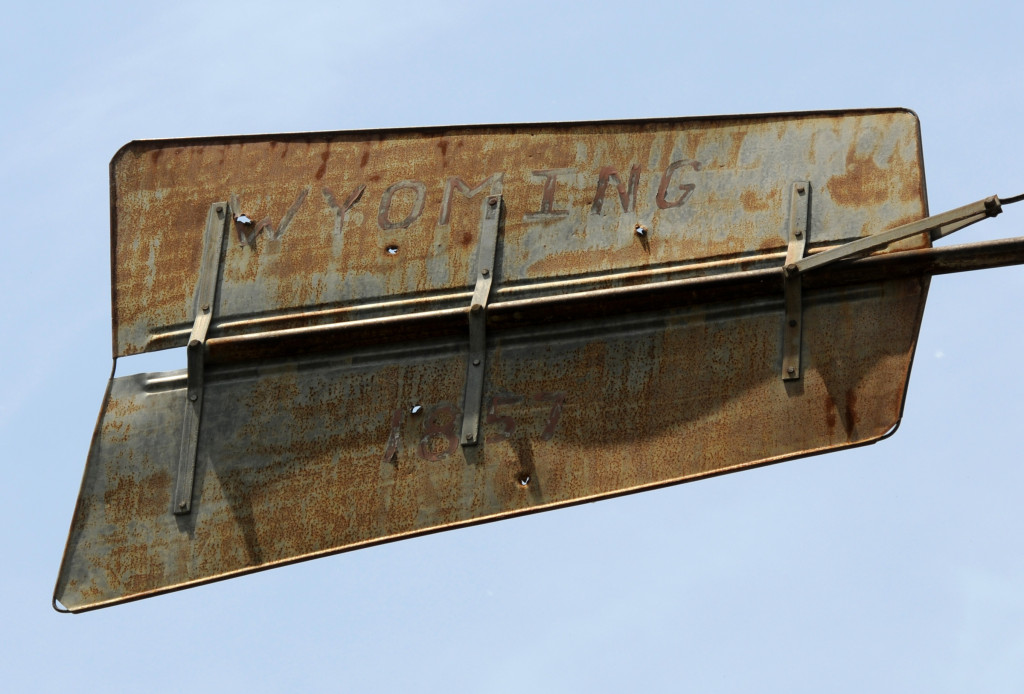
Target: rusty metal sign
[{"x": 397, "y": 332}]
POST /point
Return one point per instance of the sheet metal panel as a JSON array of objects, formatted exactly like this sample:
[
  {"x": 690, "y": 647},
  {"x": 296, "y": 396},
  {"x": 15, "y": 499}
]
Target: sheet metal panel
[
  {"x": 306, "y": 455},
  {"x": 326, "y": 208}
]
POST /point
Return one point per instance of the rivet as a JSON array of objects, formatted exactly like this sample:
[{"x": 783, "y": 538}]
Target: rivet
[
  {"x": 476, "y": 308},
  {"x": 476, "y": 362},
  {"x": 469, "y": 438},
  {"x": 183, "y": 505},
  {"x": 219, "y": 210},
  {"x": 485, "y": 272},
  {"x": 800, "y": 189},
  {"x": 799, "y": 234},
  {"x": 791, "y": 370},
  {"x": 193, "y": 397},
  {"x": 792, "y": 323},
  {"x": 206, "y": 307},
  {"x": 492, "y": 202}
]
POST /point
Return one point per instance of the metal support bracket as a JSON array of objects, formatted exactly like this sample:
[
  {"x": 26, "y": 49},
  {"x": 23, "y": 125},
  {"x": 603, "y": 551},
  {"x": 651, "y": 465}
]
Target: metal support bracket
[
  {"x": 476, "y": 365},
  {"x": 202, "y": 309},
  {"x": 799, "y": 207},
  {"x": 797, "y": 262}
]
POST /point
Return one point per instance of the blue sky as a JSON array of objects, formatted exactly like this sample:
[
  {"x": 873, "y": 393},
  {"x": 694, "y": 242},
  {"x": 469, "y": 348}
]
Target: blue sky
[{"x": 891, "y": 567}]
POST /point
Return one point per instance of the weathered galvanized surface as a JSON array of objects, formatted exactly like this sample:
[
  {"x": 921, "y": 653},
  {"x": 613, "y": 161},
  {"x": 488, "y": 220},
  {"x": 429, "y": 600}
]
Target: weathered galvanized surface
[
  {"x": 314, "y": 454},
  {"x": 326, "y": 209}
]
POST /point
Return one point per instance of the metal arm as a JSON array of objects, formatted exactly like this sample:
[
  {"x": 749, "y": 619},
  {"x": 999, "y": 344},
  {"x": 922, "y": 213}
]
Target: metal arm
[{"x": 939, "y": 225}]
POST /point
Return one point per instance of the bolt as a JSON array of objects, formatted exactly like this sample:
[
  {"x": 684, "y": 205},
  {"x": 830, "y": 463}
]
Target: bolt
[
  {"x": 492, "y": 202},
  {"x": 791, "y": 370},
  {"x": 485, "y": 272}
]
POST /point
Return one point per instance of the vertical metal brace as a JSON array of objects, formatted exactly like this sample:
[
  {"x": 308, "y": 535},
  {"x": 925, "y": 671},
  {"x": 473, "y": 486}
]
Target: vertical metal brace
[
  {"x": 799, "y": 205},
  {"x": 202, "y": 309},
  {"x": 476, "y": 365}
]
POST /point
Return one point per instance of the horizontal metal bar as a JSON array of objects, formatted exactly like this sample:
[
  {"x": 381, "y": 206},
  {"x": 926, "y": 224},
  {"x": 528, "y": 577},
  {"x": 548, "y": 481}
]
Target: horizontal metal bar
[
  {"x": 179, "y": 336},
  {"x": 949, "y": 221},
  {"x": 505, "y": 315},
  {"x": 943, "y": 260}
]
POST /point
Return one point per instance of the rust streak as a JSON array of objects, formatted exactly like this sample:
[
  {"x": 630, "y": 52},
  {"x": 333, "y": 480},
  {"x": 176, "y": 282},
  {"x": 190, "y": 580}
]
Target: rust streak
[{"x": 323, "y": 165}]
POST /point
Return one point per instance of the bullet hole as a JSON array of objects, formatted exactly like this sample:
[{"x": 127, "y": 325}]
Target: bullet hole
[
  {"x": 392, "y": 249},
  {"x": 642, "y": 236},
  {"x": 243, "y": 219},
  {"x": 523, "y": 479},
  {"x": 416, "y": 409}
]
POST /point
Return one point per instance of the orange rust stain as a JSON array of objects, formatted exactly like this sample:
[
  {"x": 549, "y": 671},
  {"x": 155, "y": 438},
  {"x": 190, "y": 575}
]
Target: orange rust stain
[
  {"x": 830, "y": 413},
  {"x": 250, "y": 270},
  {"x": 732, "y": 157},
  {"x": 129, "y": 499},
  {"x": 89, "y": 593},
  {"x": 123, "y": 564},
  {"x": 149, "y": 580},
  {"x": 905, "y": 219},
  {"x": 323, "y": 165},
  {"x": 573, "y": 262},
  {"x": 909, "y": 177},
  {"x": 694, "y": 140},
  {"x": 116, "y": 431},
  {"x": 121, "y": 408},
  {"x": 865, "y": 183},
  {"x": 919, "y": 241},
  {"x": 752, "y": 202}
]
